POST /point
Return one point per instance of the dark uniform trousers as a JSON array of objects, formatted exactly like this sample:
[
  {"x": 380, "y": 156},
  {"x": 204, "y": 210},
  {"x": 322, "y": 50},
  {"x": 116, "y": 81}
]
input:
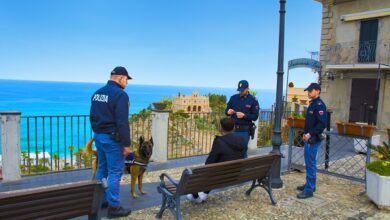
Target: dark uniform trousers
[{"x": 315, "y": 123}]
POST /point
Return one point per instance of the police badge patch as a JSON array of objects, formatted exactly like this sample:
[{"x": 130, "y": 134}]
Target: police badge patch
[{"x": 321, "y": 112}]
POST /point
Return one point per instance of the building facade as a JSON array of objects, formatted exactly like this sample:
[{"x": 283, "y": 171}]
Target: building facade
[
  {"x": 354, "y": 56},
  {"x": 194, "y": 103}
]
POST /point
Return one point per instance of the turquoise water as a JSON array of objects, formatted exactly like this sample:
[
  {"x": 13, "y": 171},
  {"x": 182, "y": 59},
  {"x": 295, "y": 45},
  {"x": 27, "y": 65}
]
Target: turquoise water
[{"x": 36, "y": 98}]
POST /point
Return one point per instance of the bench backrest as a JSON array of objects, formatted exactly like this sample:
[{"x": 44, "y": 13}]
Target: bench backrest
[
  {"x": 224, "y": 174},
  {"x": 53, "y": 202}
]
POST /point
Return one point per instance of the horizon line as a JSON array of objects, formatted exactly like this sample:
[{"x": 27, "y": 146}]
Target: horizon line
[{"x": 167, "y": 85}]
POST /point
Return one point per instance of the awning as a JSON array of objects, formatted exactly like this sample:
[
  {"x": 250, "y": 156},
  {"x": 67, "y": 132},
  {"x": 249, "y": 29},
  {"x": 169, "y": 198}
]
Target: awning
[
  {"x": 366, "y": 15},
  {"x": 357, "y": 66}
]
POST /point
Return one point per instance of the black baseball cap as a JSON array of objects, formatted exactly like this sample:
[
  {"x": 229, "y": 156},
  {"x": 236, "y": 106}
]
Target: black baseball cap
[
  {"x": 120, "y": 70},
  {"x": 312, "y": 86},
  {"x": 242, "y": 85}
]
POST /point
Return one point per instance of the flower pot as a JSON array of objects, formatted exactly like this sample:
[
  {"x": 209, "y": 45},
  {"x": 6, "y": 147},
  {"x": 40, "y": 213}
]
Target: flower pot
[
  {"x": 355, "y": 129},
  {"x": 303, "y": 101},
  {"x": 378, "y": 189},
  {"x": 296, "y": 122},
  {"x": 159, "y": 105},
  {"x": 294, "y": 99},
  {"x": 388, "y": 133}
]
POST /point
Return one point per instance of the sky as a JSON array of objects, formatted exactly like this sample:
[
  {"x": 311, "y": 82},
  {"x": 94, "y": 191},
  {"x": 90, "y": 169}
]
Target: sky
[{"x": 211, "y": 43}]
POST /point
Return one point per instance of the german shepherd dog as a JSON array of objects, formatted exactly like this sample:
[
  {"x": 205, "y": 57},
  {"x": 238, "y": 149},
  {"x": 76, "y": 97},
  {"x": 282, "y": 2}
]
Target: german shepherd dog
[{"x": 135, "y": 168}]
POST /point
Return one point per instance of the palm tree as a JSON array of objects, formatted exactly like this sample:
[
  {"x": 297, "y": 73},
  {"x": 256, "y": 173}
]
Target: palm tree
[
  {"x": 24, "y": 156},
  {"x": 71, "y": 148},
  {"x": 56, "y": 161},
  {"x": 79, "y": 155}
]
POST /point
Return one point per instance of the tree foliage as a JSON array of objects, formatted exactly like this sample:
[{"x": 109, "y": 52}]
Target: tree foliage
[{"x": 217, "y": 102}]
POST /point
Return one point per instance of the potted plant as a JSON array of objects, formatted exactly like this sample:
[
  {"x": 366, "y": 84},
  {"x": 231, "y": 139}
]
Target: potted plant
[
  {"x": 296, "y": 120},
  {"x": 295, "y": 98},
  {"x": 291, "y": 85},
  {"x": 159, "y": 105},
  {"x": 378, "y": 177},
  {"x": 303, "y": 101},
  {"x": 355, "y": 129}
]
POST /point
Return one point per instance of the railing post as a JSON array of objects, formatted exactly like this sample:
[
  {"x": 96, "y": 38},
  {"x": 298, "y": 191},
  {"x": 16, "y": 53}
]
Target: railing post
[
  {"x": 10, "y": 143},
  {"x": 252, "y": 145},
  {"x": 160, "y": 135},
  {"x": 290, "y": 151},
  {"x": 327, "y": 148}
]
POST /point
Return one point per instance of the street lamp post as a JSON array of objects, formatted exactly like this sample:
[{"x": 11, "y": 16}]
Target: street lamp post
[{"x": 277, "y": 139}]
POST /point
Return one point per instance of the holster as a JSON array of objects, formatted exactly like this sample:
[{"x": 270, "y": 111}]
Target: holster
[
  {"x": 315, "y": 139},
  {"x": 252, "y": 130},
  {"x": 116, "y": 136}
]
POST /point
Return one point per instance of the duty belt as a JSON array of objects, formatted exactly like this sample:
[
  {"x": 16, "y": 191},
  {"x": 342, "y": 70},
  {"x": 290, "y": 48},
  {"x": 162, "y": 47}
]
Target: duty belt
[{"x": 242, "y": 127}]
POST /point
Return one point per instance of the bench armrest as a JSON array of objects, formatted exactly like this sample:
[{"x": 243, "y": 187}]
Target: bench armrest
[{"x": 169, "y": 178}]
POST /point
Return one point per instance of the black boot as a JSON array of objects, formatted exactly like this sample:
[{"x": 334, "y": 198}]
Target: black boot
[
  {"x": 104, "y": 205},
  {"x": 304, "y": 195},
  {"x": 301, "y": 188},
  {"x": 117, "y": 212}
]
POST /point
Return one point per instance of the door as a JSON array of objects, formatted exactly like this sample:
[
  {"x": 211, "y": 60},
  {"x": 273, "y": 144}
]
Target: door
[
  {"x": 364, "y": 105},
  {"x": 368, "y": 41}
]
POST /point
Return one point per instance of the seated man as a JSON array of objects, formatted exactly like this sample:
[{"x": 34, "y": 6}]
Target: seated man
[{"x": 227, "y": 147}]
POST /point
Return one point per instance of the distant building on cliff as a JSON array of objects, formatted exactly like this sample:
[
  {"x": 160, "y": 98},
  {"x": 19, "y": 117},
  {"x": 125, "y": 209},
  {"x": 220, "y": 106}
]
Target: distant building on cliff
[{"x": 194, "y": 103}]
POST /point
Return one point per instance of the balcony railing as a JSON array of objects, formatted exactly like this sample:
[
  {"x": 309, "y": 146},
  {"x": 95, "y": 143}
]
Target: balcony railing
[{"x": 357, "y": 52}]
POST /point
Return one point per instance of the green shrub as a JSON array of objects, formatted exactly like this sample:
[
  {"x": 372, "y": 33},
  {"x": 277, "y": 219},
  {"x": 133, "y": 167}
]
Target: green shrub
[
  {"x": 298, "y": 116},
  {"x": 380, "y": 167}
]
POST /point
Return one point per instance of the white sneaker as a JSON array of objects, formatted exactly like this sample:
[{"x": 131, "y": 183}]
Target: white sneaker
[
  {"x": 192, "y": 199},
  {"x": 203, "y": 196}
]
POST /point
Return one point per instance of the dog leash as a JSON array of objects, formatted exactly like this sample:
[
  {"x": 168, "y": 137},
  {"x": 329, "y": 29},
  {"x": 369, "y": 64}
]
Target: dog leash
[{"x": 131, "y": 162}]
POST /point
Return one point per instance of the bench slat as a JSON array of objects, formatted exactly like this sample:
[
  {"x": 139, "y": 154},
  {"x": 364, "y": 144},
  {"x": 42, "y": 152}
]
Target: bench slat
[
  {"x": 52, "y": 202},
  {"x": 44, "y": 200},
  {"x": 32, "y": 194},
  {"x": 66, "y": 213},
  {"x": 74, "y": 201}
]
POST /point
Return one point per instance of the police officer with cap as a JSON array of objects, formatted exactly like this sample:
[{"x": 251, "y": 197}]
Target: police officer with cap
[
  {"x": 315, "y": 123},
  {"x": 244, "y": 109},
  {"x": 109, "y": 120}
]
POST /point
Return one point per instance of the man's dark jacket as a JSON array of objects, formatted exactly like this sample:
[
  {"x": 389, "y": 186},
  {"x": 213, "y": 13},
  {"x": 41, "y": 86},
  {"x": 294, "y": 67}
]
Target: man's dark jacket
[{"x": 227, "y": 147}]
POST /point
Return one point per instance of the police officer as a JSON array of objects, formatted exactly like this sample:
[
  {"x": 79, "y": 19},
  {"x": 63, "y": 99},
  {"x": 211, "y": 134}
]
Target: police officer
[
  {"x": 244, "y": 109},
  {"x": 316, "y": 120},
  {"x": 109, "y": 120}
]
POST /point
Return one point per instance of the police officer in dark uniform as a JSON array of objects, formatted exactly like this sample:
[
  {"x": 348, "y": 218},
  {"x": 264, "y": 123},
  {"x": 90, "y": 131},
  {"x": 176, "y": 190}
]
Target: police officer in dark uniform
[
  {"x": 315, "y": 123},
  {"x": 244, "y": 109},
  {"x": 109, "y": 120}
]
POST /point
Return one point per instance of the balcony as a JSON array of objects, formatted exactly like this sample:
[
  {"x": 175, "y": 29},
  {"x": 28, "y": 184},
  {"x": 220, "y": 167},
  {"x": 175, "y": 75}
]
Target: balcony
[{"x": 363, "y": 52}]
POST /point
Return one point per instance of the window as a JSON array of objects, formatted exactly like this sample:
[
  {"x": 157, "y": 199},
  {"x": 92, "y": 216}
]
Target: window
[{"x": 368, "y": 41}]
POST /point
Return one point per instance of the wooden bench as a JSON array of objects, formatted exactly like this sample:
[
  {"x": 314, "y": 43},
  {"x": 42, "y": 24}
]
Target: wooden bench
[
  {"x": 207, "y": 177},
  {"x": 53, "y": 202}
]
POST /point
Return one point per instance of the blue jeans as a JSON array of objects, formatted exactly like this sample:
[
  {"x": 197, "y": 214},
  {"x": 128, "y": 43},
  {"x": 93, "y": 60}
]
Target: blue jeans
[
  {"x": 110, "y": 166},
  {"x": 310, "y": 154},
  {"x": 245, "y": 136}
]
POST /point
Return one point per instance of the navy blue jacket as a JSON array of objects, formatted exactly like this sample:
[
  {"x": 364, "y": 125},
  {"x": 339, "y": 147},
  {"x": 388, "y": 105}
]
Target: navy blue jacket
[
  {"x": 247, "y": 105},
  {"x": 227, "y": 147},
  {"x": 110, "y": 112},
  {"x": 316, "y": 117}
]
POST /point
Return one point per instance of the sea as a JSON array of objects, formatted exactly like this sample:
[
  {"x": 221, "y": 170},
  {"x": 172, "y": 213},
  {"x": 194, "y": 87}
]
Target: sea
[{"x": 42, "y": 98}]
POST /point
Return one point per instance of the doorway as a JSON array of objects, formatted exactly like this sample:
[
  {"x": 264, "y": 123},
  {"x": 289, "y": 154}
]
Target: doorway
[{"x": 363, "y": 106}]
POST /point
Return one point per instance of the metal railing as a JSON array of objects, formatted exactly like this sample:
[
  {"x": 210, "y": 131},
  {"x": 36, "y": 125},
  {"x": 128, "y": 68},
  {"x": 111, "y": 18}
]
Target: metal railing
[
  {"x": 192, "y": 134},
  {"x": 266, "y": 122},
  {"x": 56, "y": 143},
  {"x": 357, "y": 52},
  {"x": 340, "y": 155}
]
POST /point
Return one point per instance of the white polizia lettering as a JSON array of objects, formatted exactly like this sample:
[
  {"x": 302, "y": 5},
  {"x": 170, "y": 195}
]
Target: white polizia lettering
[{"x": 100, "y": 98}]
